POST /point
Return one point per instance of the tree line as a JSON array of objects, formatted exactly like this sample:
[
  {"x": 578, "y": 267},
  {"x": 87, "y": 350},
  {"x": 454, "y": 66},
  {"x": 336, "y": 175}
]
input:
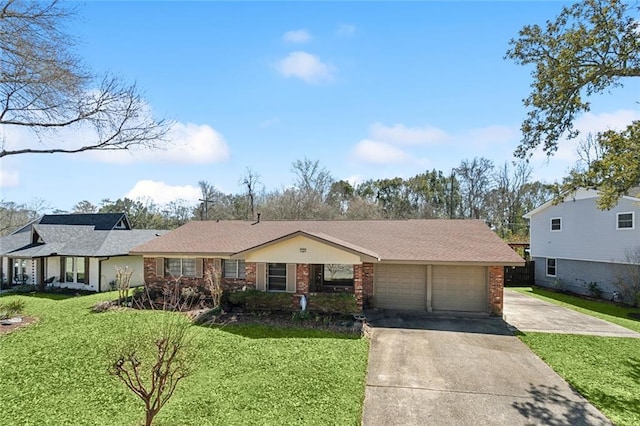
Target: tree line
[{"x": 476, "y": 189}]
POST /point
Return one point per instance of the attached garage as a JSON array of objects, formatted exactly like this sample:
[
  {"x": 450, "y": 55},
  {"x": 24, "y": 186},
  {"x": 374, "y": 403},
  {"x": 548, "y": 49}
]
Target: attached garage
[
  {"x": 450, "y": 288},
  {"x": 459, "y": 288},
  {"x": 400, "y": 287}
]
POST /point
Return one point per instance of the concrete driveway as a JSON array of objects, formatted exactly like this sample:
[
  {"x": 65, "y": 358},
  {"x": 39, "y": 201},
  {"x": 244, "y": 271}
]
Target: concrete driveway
[
  {"x": 452, "y": 371},
  {"x": 527, "y": 313}
]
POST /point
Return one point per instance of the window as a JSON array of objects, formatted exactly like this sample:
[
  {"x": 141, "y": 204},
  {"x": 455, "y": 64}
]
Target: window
[
  {"x": 234, "y": 269},
  {"x": 277, "y": 277},
  {"x": 181, "y": 267},
  {"x": 556, "y": 224},
  {"x": 337, "y": 274},
  {"x": 20, "y": 271},
  {"x": 74, "y": 270},
  {"x": 551, "y": 267},
  {"x": 625, "y": 221}
]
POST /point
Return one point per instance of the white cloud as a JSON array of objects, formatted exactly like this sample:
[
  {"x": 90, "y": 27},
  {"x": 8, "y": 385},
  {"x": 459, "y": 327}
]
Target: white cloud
[
  {"x": 297, "y": 36},
  {"x": 492, "y": 135},
  {"x": 403, "y": 135},
  {"x": 305, "y": 66},
  {"x": 186, "y": 144},
  {"x": 8, "y": 178},
  {"x": 354, "y": 180},
  {"x": 345, "y": 30},
  {"x": 162, "y": 193},
  {"x": 374, "y": 152}
]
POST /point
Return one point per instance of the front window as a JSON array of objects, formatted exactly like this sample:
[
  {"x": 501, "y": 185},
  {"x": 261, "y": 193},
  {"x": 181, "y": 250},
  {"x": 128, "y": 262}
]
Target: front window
[
  {"x": 556, "y": 224},
  {"x": 74, "y": 270},
  {"x": 625, "y": 220},
  {"x": 181, "y": 267},
  {"x": 277, "y": 277},
  {"x": 331, "y": 277},
  {"x": 234, "y": 269},
  {"x": 551, "y": 267}
]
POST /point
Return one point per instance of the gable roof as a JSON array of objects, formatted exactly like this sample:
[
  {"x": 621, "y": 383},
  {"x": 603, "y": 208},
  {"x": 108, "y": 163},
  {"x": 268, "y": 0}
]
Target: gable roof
[
  {"x": 580, "y": 194},
  {"x": 74, "y": 240},
  {"x": 423, "y": 240}
]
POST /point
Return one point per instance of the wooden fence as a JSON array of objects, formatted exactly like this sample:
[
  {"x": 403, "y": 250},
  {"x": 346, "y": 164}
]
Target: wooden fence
[{"x": 519, "y": 275}]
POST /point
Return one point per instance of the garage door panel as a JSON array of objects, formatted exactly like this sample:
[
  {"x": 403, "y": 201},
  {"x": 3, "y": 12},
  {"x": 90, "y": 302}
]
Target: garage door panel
[
  {"x": 400, "y": 287},
  {"x": 459, "y": 288}
]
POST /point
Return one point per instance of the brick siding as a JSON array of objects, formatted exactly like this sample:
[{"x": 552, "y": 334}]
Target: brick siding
[{"x": 496, "y": 289}]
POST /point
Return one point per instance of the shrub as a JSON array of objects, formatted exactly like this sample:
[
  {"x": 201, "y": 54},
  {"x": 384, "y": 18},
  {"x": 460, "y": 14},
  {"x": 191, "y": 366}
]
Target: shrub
[
  {"x": 11, "y": 309},
  {"x": 594, "y": 289},
  {"x": 333, "y": 303},
  {"x": 256, "y": 300}
]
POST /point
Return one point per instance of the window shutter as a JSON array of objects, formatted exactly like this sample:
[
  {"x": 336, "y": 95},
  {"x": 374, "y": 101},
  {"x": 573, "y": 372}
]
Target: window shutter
[
  {"x": 199, "y": 267},
  {"x": 261, "y": 276},
  {"x": 160, "y": 266},
  {"x": 87, "y": 277},
  {"x": 63, "y": 271},
  {"x": 291, "y": 277}
]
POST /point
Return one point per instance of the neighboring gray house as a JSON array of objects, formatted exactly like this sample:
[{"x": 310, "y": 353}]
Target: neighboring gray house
[
  {"x": 79, "y": 251},
  {"x": 573, "y": 243}
]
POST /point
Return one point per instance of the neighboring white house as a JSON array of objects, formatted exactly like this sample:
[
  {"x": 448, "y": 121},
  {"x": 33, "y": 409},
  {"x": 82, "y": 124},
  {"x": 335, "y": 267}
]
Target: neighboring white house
[
  {"x": 574, "y": 244},
  {"x": 78, "y": 251}
]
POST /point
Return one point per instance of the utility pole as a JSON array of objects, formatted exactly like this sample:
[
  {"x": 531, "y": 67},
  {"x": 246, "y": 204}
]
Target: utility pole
[{"x": 205, "y": 203}]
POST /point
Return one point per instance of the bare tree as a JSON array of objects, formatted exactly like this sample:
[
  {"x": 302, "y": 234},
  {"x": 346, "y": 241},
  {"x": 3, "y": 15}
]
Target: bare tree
[
  {"x": 628, "y": 280},
  {"x": 123, "y": 283},
  {"x": 85, "y": 206},
  {"x": 250, "y": 180},
  {"x": 44, "y": 88},
  {"x": 151, "y": 366}
]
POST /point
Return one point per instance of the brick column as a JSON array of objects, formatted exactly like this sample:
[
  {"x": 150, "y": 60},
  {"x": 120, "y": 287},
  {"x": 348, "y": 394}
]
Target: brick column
[
  {"x": 358, "y": 289},
  {"x": 302, "y": 278},
  {"x": 367, "y": 284},
  {"x": 250, "y": 271},
  {"x": 496, "y": 289}
]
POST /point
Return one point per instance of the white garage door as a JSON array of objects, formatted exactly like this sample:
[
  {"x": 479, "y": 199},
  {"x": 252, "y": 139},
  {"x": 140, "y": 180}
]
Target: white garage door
[
  {"x": 400, "y": 286},
  {"x": 459, "y": 288}
]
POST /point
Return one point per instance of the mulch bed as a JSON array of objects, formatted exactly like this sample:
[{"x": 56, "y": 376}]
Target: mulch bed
[{"x": 8, "y": 328}]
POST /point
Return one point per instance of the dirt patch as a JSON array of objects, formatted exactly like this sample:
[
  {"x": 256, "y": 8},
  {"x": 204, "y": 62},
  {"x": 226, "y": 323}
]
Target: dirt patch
[{"x": 11, "y": 326}]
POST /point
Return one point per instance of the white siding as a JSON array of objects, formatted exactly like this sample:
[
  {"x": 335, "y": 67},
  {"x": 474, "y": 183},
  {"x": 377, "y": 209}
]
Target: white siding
[
  {"x": 134, "y": 263},
  {"x": 587, "y": 232}
]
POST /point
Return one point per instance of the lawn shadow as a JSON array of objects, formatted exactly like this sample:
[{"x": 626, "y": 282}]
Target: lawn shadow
[
  {"x": 266, "y": 331},
  {"x": 550, "y": 407},
  {"x": 601, "y": 306},
  {"x": 39, "y": 295}
]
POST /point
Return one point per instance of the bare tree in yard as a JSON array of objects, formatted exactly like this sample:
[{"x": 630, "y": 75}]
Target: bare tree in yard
[
  {"x": 213, "y": 280},
  {"x": 123, "y": 283},
  {"x": 628, "y": 280},
  {"x": 152, "y": 366},
  {"x": 44, "y": 88}
]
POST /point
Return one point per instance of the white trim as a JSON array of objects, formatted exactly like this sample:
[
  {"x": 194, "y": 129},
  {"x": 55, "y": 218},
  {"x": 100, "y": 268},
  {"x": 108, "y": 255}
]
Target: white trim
[
  {"x": 612, "y": 262},
  {"x": 633, "y": 221},
  {"x": 555, "y": 266},
  {"x": 551, "y": 224}
]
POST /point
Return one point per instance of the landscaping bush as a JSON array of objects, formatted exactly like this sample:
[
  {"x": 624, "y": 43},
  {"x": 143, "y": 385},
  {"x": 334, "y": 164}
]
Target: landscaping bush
[
  {"x": 11, "y": 309},
  {"x": 333, "y": 303},
  {"x": 256, "y": 300}
]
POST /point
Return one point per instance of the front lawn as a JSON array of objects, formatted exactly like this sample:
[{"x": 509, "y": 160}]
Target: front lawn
[
  {"x": 607, "y": 311},
  {"x": 605, "y": 370},
  {"x": 55, "y": 371}
]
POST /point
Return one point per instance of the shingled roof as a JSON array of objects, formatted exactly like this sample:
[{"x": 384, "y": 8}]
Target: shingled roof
[{"x": 428, "y": 240}]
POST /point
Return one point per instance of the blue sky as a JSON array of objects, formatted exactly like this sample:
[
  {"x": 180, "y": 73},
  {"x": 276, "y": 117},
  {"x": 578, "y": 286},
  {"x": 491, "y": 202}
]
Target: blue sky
[{"x": 370, "y": 89}]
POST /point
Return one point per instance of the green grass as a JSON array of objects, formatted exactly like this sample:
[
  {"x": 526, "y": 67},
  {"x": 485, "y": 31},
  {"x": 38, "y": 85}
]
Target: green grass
[
  {"x": 600, "y": 309},
  {"x": 605, "y": 370},
  {"x": 55, "y": 371}
]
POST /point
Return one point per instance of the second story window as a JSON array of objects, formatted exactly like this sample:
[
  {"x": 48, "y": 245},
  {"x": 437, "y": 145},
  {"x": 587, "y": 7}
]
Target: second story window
[
  {"x": 556, "y": 224},
  {"x": 625, "y": 221}
]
